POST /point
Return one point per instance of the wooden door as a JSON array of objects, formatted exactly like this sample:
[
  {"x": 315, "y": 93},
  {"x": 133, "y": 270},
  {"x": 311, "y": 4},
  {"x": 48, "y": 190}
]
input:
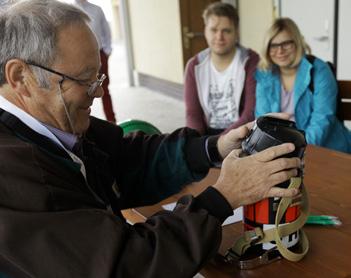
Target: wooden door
[{"x": 193, "y": 39}]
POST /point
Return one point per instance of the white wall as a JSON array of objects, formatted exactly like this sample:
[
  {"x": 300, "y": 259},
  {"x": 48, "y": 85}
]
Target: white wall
[
  {"x": 156, "y": 36},
  {"x": 256, "y": 16},
  {"x": 344, "y": 41}
]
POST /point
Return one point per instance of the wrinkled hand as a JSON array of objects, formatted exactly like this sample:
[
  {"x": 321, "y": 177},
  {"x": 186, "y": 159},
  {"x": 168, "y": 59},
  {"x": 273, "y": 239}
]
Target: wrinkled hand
[
  {"x": 250, "y": 179},
  {"x": 232, "y": 140}
]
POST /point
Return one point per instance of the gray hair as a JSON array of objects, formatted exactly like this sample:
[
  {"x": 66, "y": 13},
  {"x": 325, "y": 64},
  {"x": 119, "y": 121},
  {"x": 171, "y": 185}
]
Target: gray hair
[{"x": 29, "y": 30}]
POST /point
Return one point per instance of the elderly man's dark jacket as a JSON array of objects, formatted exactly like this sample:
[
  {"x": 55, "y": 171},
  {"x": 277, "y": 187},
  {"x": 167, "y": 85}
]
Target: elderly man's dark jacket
[{"x": 55, "y": 223}]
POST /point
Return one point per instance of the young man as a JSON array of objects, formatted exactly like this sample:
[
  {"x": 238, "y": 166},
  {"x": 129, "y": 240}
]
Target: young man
[
  {"x": 219, "y": 81},
  {"x": 101, "y": 29},
  {"x": 65, "y": 176}
]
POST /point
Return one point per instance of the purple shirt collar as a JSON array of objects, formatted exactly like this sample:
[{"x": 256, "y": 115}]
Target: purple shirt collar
[{"x": 67, "y": 139}]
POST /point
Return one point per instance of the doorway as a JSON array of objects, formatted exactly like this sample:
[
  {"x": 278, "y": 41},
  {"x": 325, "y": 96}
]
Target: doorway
[{"x": 193, "y": 39}]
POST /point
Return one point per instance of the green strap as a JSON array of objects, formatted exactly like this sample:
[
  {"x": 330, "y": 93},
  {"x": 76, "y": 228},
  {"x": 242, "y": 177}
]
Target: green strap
[{"x": 258, "y": 236}]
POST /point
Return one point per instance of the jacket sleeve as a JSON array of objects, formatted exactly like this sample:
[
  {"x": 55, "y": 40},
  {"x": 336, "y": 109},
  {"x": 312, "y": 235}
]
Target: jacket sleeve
[
  {"x": 152, "y": 168},
  {"x": 248, "y": 98},
  {"x": 149, "y": 168},
  {"x": 324, "y": 104},
  {"x": 94, "y": 243},
  {"x": 195, "y": 117}
]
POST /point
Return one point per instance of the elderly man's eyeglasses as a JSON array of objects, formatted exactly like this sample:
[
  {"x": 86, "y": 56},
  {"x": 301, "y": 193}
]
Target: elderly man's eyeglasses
[
  {"x": 92, "y": 87},
  {"x": 285, "y": 45}
]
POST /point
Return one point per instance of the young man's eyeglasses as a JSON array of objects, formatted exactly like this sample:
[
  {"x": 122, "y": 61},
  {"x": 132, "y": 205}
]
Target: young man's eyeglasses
[
  {"x": 285, "y": 45},
  {"x": 92, "y": 87}
]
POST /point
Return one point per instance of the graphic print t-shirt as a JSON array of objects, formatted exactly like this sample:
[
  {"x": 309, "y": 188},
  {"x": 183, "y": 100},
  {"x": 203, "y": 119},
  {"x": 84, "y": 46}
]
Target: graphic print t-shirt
[{"x": 221, "y": 103}]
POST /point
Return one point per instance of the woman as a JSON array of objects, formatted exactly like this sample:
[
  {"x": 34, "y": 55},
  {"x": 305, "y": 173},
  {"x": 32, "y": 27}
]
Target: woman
[{"x": 283, "y": 85}]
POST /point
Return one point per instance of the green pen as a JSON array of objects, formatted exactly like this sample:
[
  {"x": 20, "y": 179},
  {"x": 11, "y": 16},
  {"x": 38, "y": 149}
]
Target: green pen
[{"x": 326, "y": 220}]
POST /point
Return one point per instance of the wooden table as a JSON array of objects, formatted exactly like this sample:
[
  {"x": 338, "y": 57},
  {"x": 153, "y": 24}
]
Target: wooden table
[{"x": 328, "y": 181}]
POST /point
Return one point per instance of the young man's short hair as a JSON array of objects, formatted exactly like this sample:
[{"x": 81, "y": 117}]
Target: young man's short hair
[{"x": 222, "y": 9}]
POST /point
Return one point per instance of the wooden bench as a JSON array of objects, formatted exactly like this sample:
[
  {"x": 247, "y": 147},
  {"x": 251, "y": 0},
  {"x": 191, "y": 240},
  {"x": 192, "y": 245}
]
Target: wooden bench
[{"x": 344, "y": 100}]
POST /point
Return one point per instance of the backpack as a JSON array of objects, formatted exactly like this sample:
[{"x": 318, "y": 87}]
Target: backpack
[{"x": 311, "y": 59}]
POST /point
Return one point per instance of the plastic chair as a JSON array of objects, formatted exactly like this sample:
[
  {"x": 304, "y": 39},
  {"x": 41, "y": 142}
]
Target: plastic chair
[{"x": 134, "y": 125}]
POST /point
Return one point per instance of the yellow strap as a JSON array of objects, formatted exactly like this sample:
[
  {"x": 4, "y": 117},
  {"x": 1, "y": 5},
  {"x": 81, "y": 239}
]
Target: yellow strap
[
  {"x": 258, "y": 236},
  {"x": 283, "y": 206}
]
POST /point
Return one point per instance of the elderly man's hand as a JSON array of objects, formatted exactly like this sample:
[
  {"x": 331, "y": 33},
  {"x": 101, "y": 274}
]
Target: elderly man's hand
[
  {"x": 246, "y": 180},
  {"x": 232, "y": 140}
]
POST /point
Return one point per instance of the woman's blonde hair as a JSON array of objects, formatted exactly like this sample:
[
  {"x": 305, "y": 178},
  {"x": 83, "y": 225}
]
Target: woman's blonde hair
[{"x": 279, "y": 25}]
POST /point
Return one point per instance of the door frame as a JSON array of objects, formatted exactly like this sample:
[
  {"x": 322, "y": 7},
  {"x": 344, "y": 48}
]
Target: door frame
[{"x": 128, "y": 42}]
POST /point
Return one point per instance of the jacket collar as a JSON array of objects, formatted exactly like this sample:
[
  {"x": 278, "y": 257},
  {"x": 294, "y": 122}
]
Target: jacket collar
[
  {"x": 29, "y": 135},
  {"x": 28, "y": 120},
  {"x": 303, "y": 79},
  {"x": 94, "y": 159},
  {"x": 205, "y": 54}
]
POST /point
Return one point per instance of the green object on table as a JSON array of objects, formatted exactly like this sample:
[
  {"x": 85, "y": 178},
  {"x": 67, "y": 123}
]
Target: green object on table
[
  {"x": 326, "y": 220},
  {"x": 138, "y": 125}
]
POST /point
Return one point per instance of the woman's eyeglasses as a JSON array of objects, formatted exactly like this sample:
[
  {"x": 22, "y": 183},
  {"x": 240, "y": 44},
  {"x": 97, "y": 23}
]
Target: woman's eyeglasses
[{"x": 285, "y": 45}]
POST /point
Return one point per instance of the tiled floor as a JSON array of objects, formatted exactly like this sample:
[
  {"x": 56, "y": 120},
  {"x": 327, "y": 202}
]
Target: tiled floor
[{"x": 166, "y": 113}]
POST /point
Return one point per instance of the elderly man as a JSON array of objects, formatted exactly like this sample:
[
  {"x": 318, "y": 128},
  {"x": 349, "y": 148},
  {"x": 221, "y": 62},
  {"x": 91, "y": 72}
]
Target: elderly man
[{"x": 65, "y": 176}]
